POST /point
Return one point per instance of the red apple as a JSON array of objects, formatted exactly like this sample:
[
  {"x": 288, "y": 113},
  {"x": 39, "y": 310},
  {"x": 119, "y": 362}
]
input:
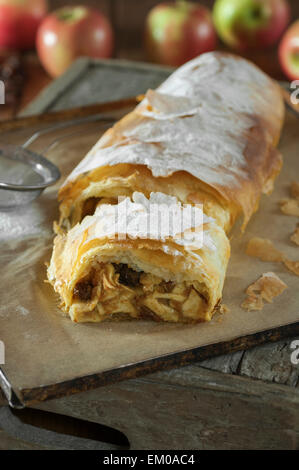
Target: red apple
[
  {"x": 288, "y": 52},
  {"x": 19, "y": 20},
  {"x": 177, "y": 32},
  {"x": 244, "y": 24},
  {"x": 72, "y": 32}
]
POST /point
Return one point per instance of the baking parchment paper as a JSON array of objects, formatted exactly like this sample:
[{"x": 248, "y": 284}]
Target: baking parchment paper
[{"x": 42, "y": 345}]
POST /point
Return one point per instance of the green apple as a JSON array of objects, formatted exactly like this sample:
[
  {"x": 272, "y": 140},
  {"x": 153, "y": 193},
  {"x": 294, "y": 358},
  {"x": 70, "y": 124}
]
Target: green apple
[{"x": 244, "y": 24}]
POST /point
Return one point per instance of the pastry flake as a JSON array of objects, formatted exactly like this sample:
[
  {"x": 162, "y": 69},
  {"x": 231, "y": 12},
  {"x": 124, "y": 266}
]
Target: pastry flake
[
  {"x": 295, "y": 236},
  {"x": 292, "y": 266},
  {"x": 224, "y": 309},
  {"x": 263, "y": 249},
  {"x": 290, "y": 207},
  {"x": 267, "y": 287},
  {"x": 295, "y": 190}
]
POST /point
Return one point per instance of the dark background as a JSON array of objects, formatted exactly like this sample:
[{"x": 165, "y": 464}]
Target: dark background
[{"x": 128, "y": 19}]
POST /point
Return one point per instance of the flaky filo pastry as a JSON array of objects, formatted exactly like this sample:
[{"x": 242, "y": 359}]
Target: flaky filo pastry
[
  {"x": 122, "y": 261},
  {"x": 206, "y": 136}
]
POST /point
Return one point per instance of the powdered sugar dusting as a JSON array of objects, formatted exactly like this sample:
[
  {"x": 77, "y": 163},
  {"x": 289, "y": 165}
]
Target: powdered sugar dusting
[
  {"x": 193, "y": 122},
  {"x": 22, "y": 310},
  {"x": 25, "y": 221},
  {"x": 161, "y": 217}
]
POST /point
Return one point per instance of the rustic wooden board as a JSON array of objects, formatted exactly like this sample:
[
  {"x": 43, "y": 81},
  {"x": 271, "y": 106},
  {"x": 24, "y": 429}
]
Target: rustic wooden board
[
  {"x": 44, "y": 384},
  {"x": 191, "y": 408},
  {"x": 196, "y": 408}
]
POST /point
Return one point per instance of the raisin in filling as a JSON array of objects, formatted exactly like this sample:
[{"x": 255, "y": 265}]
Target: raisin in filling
[
  {"x": 127, "y": 276},
  {"x": 89, "y": 206},
  {"x": 83, "y": 290}
]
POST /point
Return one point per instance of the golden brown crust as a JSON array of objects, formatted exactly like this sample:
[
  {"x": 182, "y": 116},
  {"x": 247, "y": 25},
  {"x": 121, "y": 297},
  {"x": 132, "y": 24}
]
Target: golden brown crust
[
  {"x": 263, "y": 161},
  {"x": 228, "y": 186},
  {"x": 78, "y": 254},
  {"x": 184, "y": 186}
]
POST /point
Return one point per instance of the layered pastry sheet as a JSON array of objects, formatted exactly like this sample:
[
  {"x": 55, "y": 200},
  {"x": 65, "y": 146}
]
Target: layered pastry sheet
[{"x": 146, "y": 258}]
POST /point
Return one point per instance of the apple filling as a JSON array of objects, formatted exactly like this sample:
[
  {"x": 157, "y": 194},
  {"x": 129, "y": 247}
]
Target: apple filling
[{"x": 115, "y": 289}]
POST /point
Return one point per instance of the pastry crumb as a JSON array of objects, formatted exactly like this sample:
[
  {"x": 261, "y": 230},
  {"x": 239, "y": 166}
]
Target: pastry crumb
[
  {"x": 266, "y": 288},
  {"x": 295, "y": 236},
  {"x": 290, "y": 207},
  {"x": 253, "y": 302},
  {"x": 223, "y": 309},
  {"x": 292, "y": 266},
  {"x": 295, "y": 190},
  {"x": 263, "y": 249}
]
